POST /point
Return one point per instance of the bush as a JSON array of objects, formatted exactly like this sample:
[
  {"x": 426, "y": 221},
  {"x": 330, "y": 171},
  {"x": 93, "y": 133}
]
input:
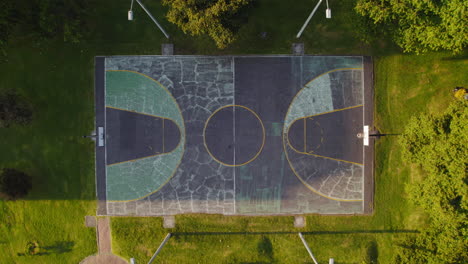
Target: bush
[
  {"x": 6, "y": 20},
  {"x": 14, "y": 110},
  {"x": 14, "y": 184},
  {"x": 439, "y": 145},
  {"x": 32, "y": 248},
  {"x": 48, "y": 19},
  {"x": 420, "y": 26},
  {"x": 219, "y": 19},
  {"x": 63, "y": 18}
]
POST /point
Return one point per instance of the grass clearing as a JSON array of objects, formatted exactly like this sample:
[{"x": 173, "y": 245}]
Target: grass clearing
[
  {"x": 52, "y": 151},
  {"x": 57, "y": 78}
]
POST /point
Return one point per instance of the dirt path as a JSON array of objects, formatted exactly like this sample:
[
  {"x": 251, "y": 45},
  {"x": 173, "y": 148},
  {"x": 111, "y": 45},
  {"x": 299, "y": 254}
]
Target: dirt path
[
  {"x": 104, "y": 236},
  {"x": 104, "y": 255}
]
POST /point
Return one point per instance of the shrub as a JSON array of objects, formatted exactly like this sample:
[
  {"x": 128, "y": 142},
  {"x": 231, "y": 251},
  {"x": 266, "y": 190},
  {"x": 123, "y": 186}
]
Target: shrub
[
  {"x": 14, "y": 184},
  {"x": 14, "y": 110},
  {"x": 216, "y": 18}
]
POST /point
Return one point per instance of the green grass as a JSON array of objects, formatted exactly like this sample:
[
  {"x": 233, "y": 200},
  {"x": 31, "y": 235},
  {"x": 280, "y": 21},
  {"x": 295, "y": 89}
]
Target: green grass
[
  {"x": 57, "y": 79},
  {"x": 409, "y": 84},
  {"x": 52, "y": 151}
]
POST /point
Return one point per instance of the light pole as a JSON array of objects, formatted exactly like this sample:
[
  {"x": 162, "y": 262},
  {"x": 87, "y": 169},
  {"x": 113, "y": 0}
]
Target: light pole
[
  {"x": 328, "y": 11},
  {"x": 130, "y": 16},
  {"x": 327, "y": 15},
  {"x": 130, "y": 12}
]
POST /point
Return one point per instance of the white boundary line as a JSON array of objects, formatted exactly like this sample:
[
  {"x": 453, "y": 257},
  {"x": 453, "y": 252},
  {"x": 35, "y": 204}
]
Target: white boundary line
[
  {"x": 105, "y": 134},
  {"x": 235, "y": 56},
  {"x": 95, "y": 145},
  {"x": 233, "y": 65},
  {"x": 363, "y": 122},
  {"x": 233, "y": 70}
]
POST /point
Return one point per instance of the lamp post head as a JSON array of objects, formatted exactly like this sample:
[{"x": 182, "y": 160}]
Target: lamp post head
[
  {"x": 130, "y": 15},
  {"x": 328, "y": 13}
]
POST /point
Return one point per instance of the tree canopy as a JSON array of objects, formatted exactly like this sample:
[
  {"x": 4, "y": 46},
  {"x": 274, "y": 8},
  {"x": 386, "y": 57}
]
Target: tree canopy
[
  {"x": 14, "y": 184},
  {"x": 213, "y": 17},
  {"x": 63, "y": 19},
  {"x": 439, "y": 145},
  {"x": 14, "y": 110},
  {"x": 421, "y": 25}
]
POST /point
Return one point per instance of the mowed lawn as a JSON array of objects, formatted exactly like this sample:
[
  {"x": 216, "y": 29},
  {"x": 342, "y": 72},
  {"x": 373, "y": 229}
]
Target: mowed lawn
[
  {"x": 57, "y": 79},
  {"x": 52, "y": 151}
]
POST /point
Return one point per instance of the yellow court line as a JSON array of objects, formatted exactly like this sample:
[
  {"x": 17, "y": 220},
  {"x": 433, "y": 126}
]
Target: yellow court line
[
  {"x": 164, "y": 88},
  {"x": 163, "y": 153},
  {"x": 133, "y": 160},
  {"x": 315, "y": 78},
  {"x": 136, "y": 112},
  {"x": 321, "y": 194},
  {"x": 131, "y": 111},
  {"x": 335, "y": 110},
  {"x": 307, "y": 153},
  {"x": 316, "y": 155},
  {"x": 321, "y": 135},
  {"x": 182, "y": 137},
  {"x": 325, "y": 157},
  {"x": 234, "y": 165},
  {"x": 287, "y": 138},
  {"x": 313, "y": 189},
  {"x": 305, "y": 135},
  {"x": 328, "y": 112},
  {"x": 287, "y": 143}
]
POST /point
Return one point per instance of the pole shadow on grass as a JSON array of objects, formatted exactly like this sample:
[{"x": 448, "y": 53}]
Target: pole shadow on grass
[{"x": 403, "y": 231}]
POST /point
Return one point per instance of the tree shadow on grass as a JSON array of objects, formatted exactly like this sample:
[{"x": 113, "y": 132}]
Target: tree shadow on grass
[
  {"x": 59, "y": 247},
  {"x": 372, "y": 255},
  {"x": 265, "y": 248}
]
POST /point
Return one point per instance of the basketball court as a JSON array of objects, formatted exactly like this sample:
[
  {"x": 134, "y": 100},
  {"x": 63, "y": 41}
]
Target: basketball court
[{"x": 233, "y": 135}]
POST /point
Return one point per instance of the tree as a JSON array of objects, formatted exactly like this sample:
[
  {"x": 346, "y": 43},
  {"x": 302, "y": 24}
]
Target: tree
[
  {"x": 14, "y": 110},
  {"x": 64, "y": 19},
  {"x": 421, "y": 25},
  {"x": 6, "y": 19},
  {"x": 213, "y": 17},
  {"x": 14, "y": 184},
  {"x": 439, "y": 145}
]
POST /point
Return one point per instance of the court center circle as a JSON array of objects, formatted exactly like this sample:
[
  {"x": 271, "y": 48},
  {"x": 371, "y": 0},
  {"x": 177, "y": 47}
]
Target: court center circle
[{"x": 234, "y": 135}]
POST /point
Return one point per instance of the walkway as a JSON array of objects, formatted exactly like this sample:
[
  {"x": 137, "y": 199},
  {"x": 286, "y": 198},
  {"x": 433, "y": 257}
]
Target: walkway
[{"x": 104, "y": 255}]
